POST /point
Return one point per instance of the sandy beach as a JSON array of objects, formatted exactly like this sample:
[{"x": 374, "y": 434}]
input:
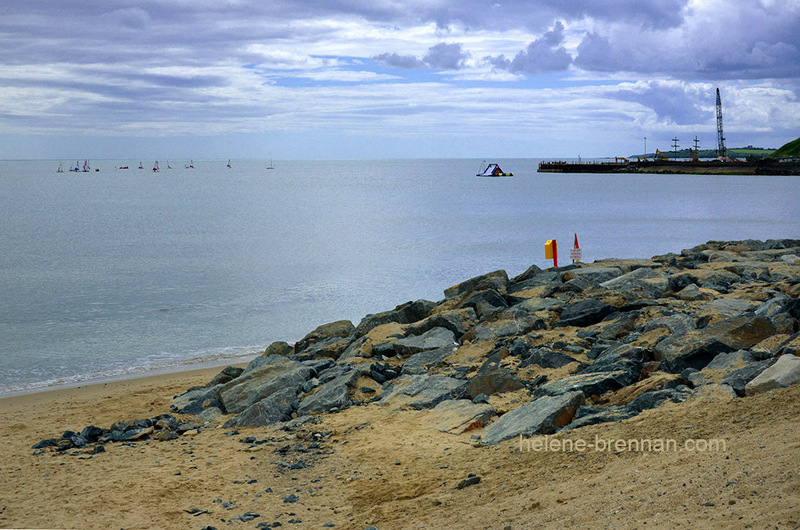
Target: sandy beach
[{"x": 388, "y": 469}]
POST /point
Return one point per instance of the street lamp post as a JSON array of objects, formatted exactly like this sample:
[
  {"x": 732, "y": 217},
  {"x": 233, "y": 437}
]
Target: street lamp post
[{"x": 645, "y": 146}]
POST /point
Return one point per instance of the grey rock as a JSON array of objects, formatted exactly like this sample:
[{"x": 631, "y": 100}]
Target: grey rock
[
  {"x": 485, "y": 302},
  {"x": 651, "y": 400},
  {"x": 458, "y": 321},
  {"x": 738, "y": 379},
  {"x": 505, "y": 325},
  {"x": 471, "y": 480},
  {"x": 696, "y": 348},
  {"x": 457, "y": 416},
  {"x": 589, "y": 384},
  {"x": 728, "y": 307},
  {"x": 542, "y": 415},
  {"x": 333, "y": 394},
  {"x": 493, "y": 381},
  {"x": 644, "y": 281},
  {"x": 497, "y": 281},
  {"x": 251, "y": 387},
  {"x": 594, "y": 415},
  {"x": 421, "y": 362},
  {"x": 677, "y": 324},
  {"x": 430, "y": 340},
  {"x": 197, "y": 400},
  {"x": 422, "y": 391},
  {"x": 585, "y": 313},
  {"x": 547, "y": 358},
  {"x": 534, "y": 305},
  {"x": 785, "y": 372},
  {"x": 330, "y": 333},
  {"x": 406, "y": 313},
  {"x": 273, "y": 409},
  {"x": 535, "y": 280},
  {"x": 593, "y": 274},
  {"x": 229, "y": 373}
]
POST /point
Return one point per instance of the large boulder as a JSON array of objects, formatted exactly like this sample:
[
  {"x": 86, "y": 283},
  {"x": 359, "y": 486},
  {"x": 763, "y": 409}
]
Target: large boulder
[
  {"x": 505, "y": 325},
  {"x": 423, "y": 361},
  {"x": 276, "y": 373},
  {"x": 406, "y": 313},
  {"x": 589, "y": 384},
  {"x": 543, "y": 415},
  {"x": 644, "y": 281},
  {"x": 585, "y": 313},
  {"x": 458, "y": 321},
  {"x": 273, "y": 409},
  {"x": 497, "y": 281},
  {"x": 785, "y": 372},
  {"x": 422, "y": 391},
  {"x": 334, "y": 394},
  {"x": 335, "y": 336},
  {"x": 593, "y": 274},
  {"x": 430, "y": 340},
  {"x": 493, "y": 381},
  {"x": 696, "y": 348}
]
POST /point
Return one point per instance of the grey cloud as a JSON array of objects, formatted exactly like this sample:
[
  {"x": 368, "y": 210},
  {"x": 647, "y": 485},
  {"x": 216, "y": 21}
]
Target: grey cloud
[
  {"x": 545, "y": 54},
  {"x": 399, "y": 61},
  {"x": 442, "y": 56},
  {"x": 446, "y": 56},
  {"x": 672, "y": 102}
]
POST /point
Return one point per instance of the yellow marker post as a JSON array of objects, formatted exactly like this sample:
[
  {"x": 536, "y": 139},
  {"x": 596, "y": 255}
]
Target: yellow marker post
[{"x": 551, "y": 251}]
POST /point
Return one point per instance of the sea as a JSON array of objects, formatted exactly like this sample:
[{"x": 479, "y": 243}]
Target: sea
[{"x": 117, "y": 273}]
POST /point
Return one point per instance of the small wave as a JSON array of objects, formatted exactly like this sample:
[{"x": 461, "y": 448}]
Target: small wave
[{"x": 191, "y": 361}]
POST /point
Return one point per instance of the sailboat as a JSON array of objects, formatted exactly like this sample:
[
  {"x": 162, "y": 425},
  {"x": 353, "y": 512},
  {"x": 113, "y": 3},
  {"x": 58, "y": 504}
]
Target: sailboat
[
  {"x": 140, "y": 165},
  {"x": 86, "y": 166},
  {"x": 155, "y": 166},
  {"x": 60, "y": 168},
  {"x": 76, "y": 168},
  {"x": 270, "y": 166},
  {"x": 168, "y": 166},
  {"x": 229, "y": 163},
  {"x": 190, "y": 165}
]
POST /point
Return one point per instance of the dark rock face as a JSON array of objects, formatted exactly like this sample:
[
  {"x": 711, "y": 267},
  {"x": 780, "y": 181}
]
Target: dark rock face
[
  {"x": 497, "y": 281},
  {"x": 430, "y": 340},
  {"x": 422, "y": 391},
  {"x": 493, "y": 381},
  {"x": 403, "y": 314},
  {"x": 585, "y": 313},
  {"x": 251, "y": 387},
  {"x": 543, "y": 415},
  {"x": 273, "y": 409}
]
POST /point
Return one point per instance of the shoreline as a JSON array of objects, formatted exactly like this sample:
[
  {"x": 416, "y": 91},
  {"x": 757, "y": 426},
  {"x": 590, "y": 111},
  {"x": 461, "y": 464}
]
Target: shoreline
[{"x": 142, "y": 373}]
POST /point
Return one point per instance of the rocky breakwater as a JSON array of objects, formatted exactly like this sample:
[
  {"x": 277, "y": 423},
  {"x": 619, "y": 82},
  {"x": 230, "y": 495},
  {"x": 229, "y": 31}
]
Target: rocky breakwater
[{"x": 548, "y": 350}]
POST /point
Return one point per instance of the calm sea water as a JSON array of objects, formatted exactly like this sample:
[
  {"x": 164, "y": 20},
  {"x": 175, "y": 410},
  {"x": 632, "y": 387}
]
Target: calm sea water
[{"x": 117, "y": 272}]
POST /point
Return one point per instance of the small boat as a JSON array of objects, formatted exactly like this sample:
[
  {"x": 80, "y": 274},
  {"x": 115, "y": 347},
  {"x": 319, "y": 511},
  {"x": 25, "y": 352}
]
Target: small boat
[
  {"x": 168, "y": 166},
  {"x": 75, "y": 169},
  {"x": 140, "y": 165},
  {"x": 229, "y": 163},
  {"x": 60, "y": 168},
  {"x": 86, "y": 167},
  {"x": 493, "y": 170},
  {"x": 123, "y": 167},
  {"x": 270, "y": 166},
  {"x": 190, "y": 165},
  {"x": 155, "y": 166}
]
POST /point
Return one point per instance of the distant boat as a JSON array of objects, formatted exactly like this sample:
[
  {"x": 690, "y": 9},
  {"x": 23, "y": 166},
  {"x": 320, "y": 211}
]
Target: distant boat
[
  {"x": 123, "y": 167},
  {"x": 155, "y": 166},
  {"x": 229, "y": 163},
  {"x": 86, "y": 167},
  {"x": 270, "y": 166},
  {"x": 190, "y": 165},
  {"x": 60, "y": 168},
  {"x": 168, "y": 166},
  {"x": 140, "y": 165},
  {"x": 493, "y": 170},
  {"x": 76, "y": 168}
]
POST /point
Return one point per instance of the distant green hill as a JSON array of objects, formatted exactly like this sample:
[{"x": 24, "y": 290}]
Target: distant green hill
[{"x": 790, "y": 149}]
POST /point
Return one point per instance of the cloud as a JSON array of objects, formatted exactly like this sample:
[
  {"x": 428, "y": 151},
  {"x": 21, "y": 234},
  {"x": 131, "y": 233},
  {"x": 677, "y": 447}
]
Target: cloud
[
  {"x": 545, "y": 54},
  {"x": 441, "y": 56},
  {"x": 445, "y": 56}
]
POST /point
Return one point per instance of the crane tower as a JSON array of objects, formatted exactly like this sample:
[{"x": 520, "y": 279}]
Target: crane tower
[{"x": 720, "y": 138}]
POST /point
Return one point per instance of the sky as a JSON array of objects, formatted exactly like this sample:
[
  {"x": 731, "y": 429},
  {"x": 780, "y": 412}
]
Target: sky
[{"x": 316, "y": 79}]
